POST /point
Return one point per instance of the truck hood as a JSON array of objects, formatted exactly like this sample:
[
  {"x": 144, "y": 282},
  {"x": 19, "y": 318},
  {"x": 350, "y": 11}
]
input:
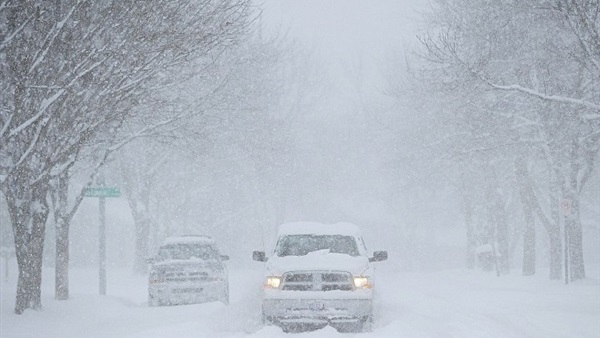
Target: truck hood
[
  {"x": 318, "y": 260},
  {"x": 191, "y": 264}
]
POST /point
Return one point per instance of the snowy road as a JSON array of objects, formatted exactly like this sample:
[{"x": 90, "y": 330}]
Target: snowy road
[{"x": 449, "y": 303}]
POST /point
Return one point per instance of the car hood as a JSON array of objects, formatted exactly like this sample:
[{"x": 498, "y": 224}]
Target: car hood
[{"x": 318, "y": 260}]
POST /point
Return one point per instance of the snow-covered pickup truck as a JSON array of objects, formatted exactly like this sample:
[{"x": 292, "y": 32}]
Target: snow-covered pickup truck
[
  {"x": 318, "y": 275},
  {"x": 188, "y": 269}
]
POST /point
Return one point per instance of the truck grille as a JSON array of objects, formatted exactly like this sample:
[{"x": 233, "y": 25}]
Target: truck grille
[
  {"x": 186, "y": 276},
  {"x": 317, "y": 281}
]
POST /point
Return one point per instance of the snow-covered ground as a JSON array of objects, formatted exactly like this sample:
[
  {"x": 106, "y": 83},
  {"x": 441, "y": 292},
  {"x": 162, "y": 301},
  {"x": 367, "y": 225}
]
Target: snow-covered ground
[{"x": 448, "y": 303}]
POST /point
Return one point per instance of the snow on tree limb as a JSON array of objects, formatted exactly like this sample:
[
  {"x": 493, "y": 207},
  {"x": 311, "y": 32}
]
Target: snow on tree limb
[
  {"x": 6, "y": 125},
  {"x": 6, "y": 42},
  {"x": 42, "y": 109},
  {"x": 50, "y": 38},
  {"x": 554, "y": 98}
]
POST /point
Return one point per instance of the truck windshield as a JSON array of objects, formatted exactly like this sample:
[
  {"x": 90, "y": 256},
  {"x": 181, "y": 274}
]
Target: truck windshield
[
  {"x": 300, "y": 245},
  {"x": 187, "y": 251}
]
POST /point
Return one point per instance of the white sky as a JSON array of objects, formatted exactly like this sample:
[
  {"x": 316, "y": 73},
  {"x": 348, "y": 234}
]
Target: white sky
[
  {"x": 347, "y": 34},
  {"x": 342, "y": 28}
]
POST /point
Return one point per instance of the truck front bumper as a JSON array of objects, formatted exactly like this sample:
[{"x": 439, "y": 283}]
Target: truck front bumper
[
  {"x": 317, "y": 310},
  {"x": 185, "y": 293}
]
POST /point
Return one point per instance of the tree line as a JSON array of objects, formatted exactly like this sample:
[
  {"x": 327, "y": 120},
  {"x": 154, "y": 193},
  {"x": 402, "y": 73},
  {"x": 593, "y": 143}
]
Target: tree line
[
  {"x": 512, "y": 90},
  {"x": 77, "y": 78}
]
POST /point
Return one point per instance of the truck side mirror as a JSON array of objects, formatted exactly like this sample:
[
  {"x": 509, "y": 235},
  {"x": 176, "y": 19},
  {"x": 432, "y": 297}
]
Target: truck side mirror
[
  {"x": 379, "y": 256},
  {"x": 259, "y": 256}
]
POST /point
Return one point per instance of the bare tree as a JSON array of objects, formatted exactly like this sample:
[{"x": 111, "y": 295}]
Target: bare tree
[{"x": 72, "y": 72}]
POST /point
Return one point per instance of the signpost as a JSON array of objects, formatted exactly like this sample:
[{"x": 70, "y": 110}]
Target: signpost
[{"x": 102, "y": 192}]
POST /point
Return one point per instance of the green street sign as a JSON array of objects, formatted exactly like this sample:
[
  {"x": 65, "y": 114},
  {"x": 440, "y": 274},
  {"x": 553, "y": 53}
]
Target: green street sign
[{"x": 102, "y": 192}]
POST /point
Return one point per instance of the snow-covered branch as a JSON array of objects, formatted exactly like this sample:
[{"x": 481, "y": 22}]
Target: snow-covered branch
[
  {"x": 555, "y": 98},
  {"x": 7, "y": 40},
  {"x": 45, "y": 104},
  {"x": 51, "y": 37}
]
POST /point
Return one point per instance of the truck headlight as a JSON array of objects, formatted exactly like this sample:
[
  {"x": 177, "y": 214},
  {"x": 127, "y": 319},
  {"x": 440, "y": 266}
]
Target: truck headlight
[
  {"x": 362, "y": 282},
  {"x": 273, "y": 282}
]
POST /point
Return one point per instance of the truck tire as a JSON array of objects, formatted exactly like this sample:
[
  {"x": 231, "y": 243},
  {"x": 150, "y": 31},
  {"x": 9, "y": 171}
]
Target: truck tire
[
  {"x": 224, "y": 297},
  {"x": 363, "y": 325},
  {"x": 152, "y": 301}
]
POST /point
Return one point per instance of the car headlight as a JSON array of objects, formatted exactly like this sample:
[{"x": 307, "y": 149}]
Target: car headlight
[
  {"x": 216, "y": 278},
  {"x": 273, "y": 282},
  {"x": 157, "y": 277},
  {"x": 361, "y": 282}
]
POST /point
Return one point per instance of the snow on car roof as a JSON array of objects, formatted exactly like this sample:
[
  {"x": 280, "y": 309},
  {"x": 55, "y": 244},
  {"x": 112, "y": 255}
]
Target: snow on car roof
[
  {"x": 316, "y": 228},
  {"x": 189, "y": 239}
]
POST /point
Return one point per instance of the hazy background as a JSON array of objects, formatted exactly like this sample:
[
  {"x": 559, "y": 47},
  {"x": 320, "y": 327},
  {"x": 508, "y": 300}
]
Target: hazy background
[
  {"x": 338, "y": 147},
  {"x": 344, "y": 150}
]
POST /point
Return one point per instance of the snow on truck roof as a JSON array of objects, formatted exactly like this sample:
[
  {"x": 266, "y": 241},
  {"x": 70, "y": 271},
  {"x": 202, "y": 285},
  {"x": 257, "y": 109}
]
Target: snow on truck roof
[
  {"x": 316, "y": 228},
  {"x": 189, "y": 239}
]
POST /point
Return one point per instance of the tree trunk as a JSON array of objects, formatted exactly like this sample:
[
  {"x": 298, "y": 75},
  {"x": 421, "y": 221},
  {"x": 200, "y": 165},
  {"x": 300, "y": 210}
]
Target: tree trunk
[
  {"x": 487, "y": 256},
  {"x": 61, "y": 288},
  {"x": 555, "y": 255},
  {"x": 61, "y": 275},
  {"x": 575, "y": 244},
  {"x": 37, "y": 248},
  {"x": 28, "y": 210},
  {"x": 572, "y": 219},
  {"x": 502, "y": 235},
  {"x": 498, "y": 224},
  {"x": 468, "y": 212},
  {"x": 551, "y": 224},
  {"x": 471, "y": 241},
  {"x": 142, "y": 238},
  {"x": 137, "y": 186},
  {"x": 529, "y": 254}
]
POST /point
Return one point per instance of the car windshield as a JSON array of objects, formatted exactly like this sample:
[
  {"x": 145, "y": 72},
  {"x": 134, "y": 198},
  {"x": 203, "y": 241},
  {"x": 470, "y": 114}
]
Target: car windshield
[
  {"x": 187, "y": 251},
  {"x": 300, "y": 245}
]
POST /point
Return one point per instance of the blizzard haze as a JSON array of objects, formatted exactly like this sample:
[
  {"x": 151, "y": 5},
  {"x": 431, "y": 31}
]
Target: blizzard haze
[{"x": 460, "y": 137}]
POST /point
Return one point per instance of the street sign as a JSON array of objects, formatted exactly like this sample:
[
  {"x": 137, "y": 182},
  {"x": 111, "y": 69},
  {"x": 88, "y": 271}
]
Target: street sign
[
  {"x": 102, "y": 192},
  {"x": 566, "y": 206}
]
